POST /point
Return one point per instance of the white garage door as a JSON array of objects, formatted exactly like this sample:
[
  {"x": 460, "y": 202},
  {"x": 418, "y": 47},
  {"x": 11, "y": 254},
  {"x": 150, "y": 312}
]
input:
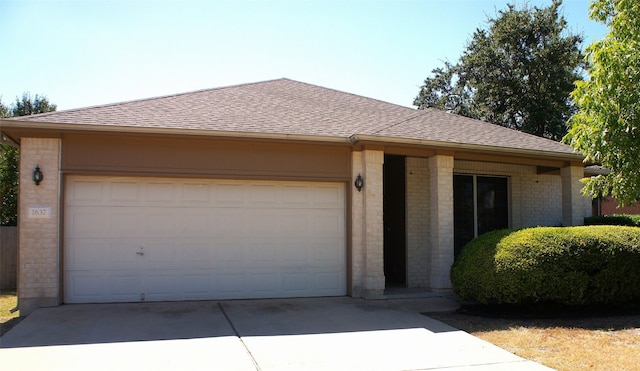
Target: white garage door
[{"x": 132, "y": 239}]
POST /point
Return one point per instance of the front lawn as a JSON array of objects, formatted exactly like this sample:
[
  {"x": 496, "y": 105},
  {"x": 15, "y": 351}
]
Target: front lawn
[
  {"x": 594, "y": 343},
  {"x": 8, "y": 301}
]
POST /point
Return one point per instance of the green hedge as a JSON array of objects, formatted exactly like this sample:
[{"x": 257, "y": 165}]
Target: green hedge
[
  {"x": 571, "y": 266},
  {"x": 617, "y": 219}
]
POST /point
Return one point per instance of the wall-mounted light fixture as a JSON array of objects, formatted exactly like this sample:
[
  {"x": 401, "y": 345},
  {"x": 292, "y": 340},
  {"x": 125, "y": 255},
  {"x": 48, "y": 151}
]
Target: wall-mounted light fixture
[
  {"x": 359, "y": 183},
  {"x": 37, "y": 175}
]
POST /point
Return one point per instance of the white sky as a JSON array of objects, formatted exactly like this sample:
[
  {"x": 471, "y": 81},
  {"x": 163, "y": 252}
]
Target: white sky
[{"x": 83, "y": 53}]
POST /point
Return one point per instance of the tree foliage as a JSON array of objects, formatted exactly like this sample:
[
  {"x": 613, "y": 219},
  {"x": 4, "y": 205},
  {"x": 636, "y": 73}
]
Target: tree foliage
[
  {"x": 9, "y": 156},
  {"x": 518, "y": 73},
  {"x": 606, "y": 127}
]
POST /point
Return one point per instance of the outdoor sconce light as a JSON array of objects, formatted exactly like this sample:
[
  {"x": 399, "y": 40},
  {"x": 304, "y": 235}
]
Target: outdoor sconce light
[
  {"x": 37, "y": 175},
  {"x": 359, "y": 183}
]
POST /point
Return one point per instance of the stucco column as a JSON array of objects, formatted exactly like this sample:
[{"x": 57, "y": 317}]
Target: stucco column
[
  {"x": 39, "y": 250},
  {"x": 441, "y": 210},
  {"x": 572, "y": 200}
]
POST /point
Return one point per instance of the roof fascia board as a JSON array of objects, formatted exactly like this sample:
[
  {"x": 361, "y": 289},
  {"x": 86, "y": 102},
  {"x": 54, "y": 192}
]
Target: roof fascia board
[
  {"x": 58, "y": 127},
  {"x": 466, "y": 146}
]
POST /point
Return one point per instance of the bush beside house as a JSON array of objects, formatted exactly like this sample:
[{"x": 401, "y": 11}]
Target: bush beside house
[
  {"x": 616, "y": 219},
  {"x": 572, "y": 266}
]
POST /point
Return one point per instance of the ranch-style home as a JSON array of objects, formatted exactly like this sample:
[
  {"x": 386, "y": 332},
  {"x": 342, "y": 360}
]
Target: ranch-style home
[{"x": 265, "y": 190}]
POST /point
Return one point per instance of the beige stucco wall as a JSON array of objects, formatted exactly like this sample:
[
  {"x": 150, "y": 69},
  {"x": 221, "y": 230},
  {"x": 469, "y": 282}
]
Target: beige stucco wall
[{"x": 39, "y": 252}]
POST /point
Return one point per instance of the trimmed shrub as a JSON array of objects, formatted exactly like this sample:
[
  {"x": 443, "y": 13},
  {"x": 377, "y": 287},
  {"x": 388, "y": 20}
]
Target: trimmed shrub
[
  {"x": 617, "y": 219},
  {"x": 569, "y": 266}
]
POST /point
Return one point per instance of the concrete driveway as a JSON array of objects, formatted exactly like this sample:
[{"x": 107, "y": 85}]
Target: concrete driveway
[{"x": 289, "y": 334}]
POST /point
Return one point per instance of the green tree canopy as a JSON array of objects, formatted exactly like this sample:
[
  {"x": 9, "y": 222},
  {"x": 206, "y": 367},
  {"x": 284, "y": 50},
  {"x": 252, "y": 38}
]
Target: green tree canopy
[
  {"x": 606, "y": 127},
  {"x": 518, "y": 73},
  {"x": 9, "y": 156}
]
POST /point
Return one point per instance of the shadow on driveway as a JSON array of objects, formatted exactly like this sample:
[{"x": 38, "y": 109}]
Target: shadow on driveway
[{"x": 126, "y": 322}]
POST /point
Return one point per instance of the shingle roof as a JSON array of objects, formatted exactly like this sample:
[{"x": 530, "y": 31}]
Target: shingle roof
[{"x": 285, "y": 106}]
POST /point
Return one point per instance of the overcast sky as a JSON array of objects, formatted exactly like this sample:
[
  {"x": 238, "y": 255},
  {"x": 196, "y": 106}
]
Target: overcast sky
[{"x": 83, "y": 53}]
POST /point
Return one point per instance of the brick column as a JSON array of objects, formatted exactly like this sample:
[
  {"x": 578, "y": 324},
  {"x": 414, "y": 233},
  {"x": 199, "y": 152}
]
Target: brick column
[
  {"x": 357, "y": 256},
  {"x": 39, "y": 250},
  {"x": 373, "y": 236},
  {"x": 572, "y": 200},
  {"x": 441, "y": 210},
  {"x": 418, "y": 250}
]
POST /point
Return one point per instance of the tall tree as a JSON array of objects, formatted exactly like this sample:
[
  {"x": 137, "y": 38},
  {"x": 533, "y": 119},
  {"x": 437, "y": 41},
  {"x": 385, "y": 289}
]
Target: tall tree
[
  {"x": 9, "y": 156},
  {"x": 518, "y": 73},
  {"x": 606, "y": 127}
]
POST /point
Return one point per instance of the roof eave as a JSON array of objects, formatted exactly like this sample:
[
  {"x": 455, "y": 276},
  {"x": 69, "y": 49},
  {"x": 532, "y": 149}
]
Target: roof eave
[
  {"x": 15, "y": 124},
  {"x": 467, "y": 146},
  {"x": 170, "y": 131}
]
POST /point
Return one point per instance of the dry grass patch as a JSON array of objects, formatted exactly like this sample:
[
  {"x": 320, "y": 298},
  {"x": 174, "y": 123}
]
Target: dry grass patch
[
  {"x": 8, "y": 301},
  {"x": 596, "y": 343}
]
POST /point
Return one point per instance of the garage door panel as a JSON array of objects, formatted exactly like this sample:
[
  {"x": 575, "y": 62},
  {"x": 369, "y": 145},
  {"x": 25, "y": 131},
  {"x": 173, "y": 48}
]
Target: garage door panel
[
  {"x": 87, "y": 192},
  {"x": 295, "y": 196},
  {"x": 228, "y": 253},
  {"x": 161, "y": 284},
  {"x": 160, "y": 258},
  {"x": 123, "y": 193},
  {"x": 160, "y": 192},
  {"x": 229, "y": 222},
  {"x": 230, "y": 284},
  {"x": 195, "y": 222},
  {"x": 296, "y": 282},
  {"x": 87, "y": 254},
  {"x": 123, "y": 254},
  {"x": 87, "y": 222},
  {"x": 87, "y": 286},
  {"x": 263, "y": 195},
  {"x": 196, "y": 192},
  {"x": 261, "y": 222},
  {"x": 124, "y": 286},
  {"x": 229, "y": 194},
  {"x": 328, "y": 197},
  {"x": 124, "y": 222},
  {"x": 294, "y": 252},
  {"x": 161, "y": 222},
  {"x": 195, "y": 253},
  {"x": 295, "y": 223},
  {"x": 131, "y": 239}
]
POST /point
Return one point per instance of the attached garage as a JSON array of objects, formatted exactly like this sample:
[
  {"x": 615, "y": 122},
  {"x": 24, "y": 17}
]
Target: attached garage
[{"x": 142, "y": 238}]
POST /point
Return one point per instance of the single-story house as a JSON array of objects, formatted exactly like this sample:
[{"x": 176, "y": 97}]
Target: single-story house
[{"x": 270, "y": 189}]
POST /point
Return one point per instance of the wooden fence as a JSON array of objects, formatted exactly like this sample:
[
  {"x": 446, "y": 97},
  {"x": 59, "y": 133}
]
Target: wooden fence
[{"x": 8, "y": 258}]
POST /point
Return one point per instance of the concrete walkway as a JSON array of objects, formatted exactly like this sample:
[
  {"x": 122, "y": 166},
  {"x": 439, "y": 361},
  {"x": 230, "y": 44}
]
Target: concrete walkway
[{"x": 289, "y": 334}]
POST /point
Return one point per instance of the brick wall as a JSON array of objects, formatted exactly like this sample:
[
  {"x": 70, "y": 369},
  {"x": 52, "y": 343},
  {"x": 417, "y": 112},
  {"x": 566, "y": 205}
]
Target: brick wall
[
  {"x": 38, "y": 257},
  {"x": 418, "y": 222},
  {"x": 535, "y": 199}
]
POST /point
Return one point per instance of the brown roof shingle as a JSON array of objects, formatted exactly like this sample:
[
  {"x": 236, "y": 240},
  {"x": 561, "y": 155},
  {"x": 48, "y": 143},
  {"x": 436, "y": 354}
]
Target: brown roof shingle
[{"x": 290, "y": 107}]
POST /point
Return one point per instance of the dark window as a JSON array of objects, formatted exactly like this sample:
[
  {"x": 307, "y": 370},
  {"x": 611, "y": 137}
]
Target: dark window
[{"x": 480, "y": 205}]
